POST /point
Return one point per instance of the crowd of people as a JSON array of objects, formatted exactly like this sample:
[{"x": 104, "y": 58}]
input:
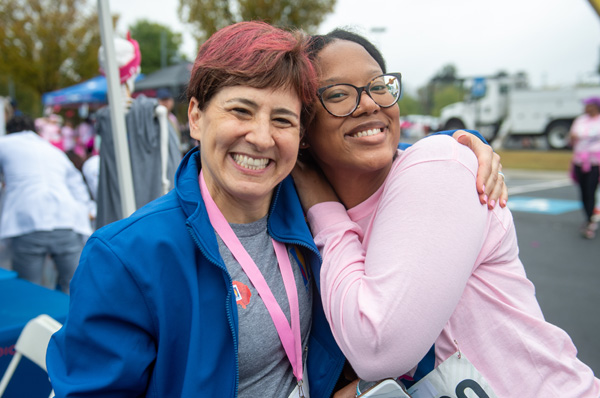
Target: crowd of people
[
  {"x": 77, "y": 141},
  {"x": 46, "y": 210},
  {"x": 301, "y": 253},
  {"x": 52, "y": 201}
]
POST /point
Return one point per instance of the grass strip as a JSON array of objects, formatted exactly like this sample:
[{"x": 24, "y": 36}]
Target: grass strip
[{"x": 535, "y": 160}]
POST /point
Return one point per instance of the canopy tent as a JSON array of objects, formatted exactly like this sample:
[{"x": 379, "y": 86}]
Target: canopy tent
[
  {"x": 175, "y": 78},
  {"x": 91, "y": 91}
]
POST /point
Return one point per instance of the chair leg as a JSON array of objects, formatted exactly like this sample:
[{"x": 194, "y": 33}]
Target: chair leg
[{"x": 9, "y": 372}]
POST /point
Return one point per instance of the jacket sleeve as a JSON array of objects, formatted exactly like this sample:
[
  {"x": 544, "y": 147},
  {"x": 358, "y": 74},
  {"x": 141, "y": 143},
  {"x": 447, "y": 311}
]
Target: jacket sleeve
[
  {"x": 389, "y": 291},
  {"x": 476, "y": 133},
  {"x": 106, "y": 346},
  {"x": 450, "y": 132}
]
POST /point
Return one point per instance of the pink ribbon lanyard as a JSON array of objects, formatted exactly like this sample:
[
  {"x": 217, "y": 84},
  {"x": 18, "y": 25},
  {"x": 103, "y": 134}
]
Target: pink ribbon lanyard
[{"x": 290, "y": 337}]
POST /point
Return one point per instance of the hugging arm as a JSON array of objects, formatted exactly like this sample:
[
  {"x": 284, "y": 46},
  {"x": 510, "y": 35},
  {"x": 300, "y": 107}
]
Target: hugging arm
[
  {"x": 388, "y": 299},
  {"x": 490, "y": 185},
  {"x": 314, "y": 188}
]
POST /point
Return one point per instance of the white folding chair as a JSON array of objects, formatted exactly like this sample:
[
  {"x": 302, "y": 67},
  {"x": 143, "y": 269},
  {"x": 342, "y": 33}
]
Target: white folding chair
[{"x": 32, "y": 344}]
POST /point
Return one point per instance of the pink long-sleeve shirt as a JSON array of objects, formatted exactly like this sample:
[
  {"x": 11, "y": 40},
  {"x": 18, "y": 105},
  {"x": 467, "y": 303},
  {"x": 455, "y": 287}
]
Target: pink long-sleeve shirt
[
  {"x": 586, "y": 131},
  {"x": 422, "y": 261}
]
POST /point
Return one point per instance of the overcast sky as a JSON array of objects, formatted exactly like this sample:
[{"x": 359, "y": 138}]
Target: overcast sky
[{"x": 556, "y": 42}]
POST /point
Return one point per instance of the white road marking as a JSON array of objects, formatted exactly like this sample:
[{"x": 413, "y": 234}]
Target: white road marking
[{"x": 540, "y": 186}]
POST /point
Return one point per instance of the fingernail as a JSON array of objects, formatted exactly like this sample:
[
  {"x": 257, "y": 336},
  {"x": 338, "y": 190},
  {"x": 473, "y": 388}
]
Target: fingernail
[
  {"x": 485, "y": 198},
  {"x": 503, "y": 202},
  {"x": 483, "y": 188},
  {"x": 492, "y": 203}
]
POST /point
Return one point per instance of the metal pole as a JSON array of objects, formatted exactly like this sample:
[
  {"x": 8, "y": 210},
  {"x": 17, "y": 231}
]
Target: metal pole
[
  {"x": 163, "y": 49},
  {"x": 117, "y": 114},
  {"x": 2, "y": 122},
  {"x": 596, "y": 5}
]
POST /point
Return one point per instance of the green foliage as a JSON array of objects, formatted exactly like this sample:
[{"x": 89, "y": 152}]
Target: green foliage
[
  {"x": 153, "y": 39},
  {"x": 28, "y": 100},
  {"x": 443, "y": 89},
  {"x": 446, "y": 95},
  {"x": 410, "y": 105},
  {"x": 446, "y": 75},
  {"x": 46, "y": 45},
  {"x": 208, "y": 16}
]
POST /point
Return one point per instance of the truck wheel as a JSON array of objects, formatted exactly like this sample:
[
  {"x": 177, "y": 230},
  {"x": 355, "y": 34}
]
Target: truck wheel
[
  {"x": 557, "y": 134},
  {"x": 454, "y": 124}
]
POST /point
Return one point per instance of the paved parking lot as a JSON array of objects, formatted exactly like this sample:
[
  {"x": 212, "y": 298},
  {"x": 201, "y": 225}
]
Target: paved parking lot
[{"x": 564, "y": 267}]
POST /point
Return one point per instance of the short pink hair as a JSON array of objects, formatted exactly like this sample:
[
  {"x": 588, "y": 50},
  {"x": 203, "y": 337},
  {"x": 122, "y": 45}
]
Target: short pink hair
[{"x": 253, "y": 54}]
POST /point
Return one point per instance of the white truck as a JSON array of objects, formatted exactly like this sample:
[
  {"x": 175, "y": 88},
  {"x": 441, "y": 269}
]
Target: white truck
[{"x": 503, "y": 106}]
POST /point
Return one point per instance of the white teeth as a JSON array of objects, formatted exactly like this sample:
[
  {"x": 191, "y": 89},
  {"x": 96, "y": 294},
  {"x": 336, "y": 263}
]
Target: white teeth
[
  {"x": 250, "y": 163},
  {"x": 367, "y": 133}
]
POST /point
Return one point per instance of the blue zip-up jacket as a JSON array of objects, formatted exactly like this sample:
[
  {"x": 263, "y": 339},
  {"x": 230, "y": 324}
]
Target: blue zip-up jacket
[{"x": 152, "y": 310}]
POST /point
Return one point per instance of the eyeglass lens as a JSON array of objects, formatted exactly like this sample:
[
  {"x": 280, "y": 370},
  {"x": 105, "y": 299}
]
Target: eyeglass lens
[{"x": 342, "y": 99}]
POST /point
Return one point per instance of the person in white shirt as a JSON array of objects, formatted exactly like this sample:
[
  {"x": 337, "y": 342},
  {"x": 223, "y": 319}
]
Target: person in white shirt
[{"x": 46, "y": 209}]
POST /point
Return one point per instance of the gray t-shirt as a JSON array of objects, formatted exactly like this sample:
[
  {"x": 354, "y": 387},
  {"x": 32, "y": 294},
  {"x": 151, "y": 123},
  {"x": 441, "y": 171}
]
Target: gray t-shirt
[{"x": 265, "y": 370}]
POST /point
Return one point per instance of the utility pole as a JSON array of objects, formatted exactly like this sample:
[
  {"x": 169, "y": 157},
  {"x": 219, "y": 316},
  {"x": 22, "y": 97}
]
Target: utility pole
[
  {"x": 595, "y": 5},
  {"x": 163, "y": 49}
]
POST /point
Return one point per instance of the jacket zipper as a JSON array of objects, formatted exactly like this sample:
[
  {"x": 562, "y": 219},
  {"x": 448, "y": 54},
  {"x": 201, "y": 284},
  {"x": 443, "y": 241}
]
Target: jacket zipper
[
  {"x": 333, "y": 382},
  {"x": 227, "y": 305}
]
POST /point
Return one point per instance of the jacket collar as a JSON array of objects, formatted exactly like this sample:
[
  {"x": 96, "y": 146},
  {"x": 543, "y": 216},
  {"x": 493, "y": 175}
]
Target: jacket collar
[{"x": 286, "y": 221}]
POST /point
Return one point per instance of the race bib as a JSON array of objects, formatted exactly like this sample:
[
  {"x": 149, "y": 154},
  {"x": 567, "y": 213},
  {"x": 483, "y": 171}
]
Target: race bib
[{"x": 456, "y": 377}]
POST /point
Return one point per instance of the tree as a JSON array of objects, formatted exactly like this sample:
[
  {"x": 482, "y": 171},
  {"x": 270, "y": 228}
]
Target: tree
[
  {"x": 409, "y": 105},
  {"x": 446, "y": 95},
  {"x": 443, "y": 89},
  {"x": 159, "y": 45},
  {"x": 208, "y": 16},
  {"x": 48, "y": 44}
]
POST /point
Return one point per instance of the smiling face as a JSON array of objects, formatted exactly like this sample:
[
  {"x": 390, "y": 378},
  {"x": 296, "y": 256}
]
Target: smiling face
[
  {"x": 249, "y": 141},
  {"x": 364, "y": 142}
]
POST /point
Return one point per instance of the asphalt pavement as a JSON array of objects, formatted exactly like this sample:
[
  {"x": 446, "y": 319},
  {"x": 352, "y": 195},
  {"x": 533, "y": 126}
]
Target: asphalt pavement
[{"x": 564, "y": 267}]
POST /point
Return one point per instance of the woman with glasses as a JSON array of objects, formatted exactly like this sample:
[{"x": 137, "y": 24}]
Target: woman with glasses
[{"x": 414, "y": 277}]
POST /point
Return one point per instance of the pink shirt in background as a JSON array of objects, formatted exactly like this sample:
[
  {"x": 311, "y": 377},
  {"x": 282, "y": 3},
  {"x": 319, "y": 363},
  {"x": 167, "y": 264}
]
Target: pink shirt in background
[
  {"x": 586, "y": 131},
  {"x": 49, "y": 129},
  {"x": 69, "y": 137},
  {"x": 422, "y": 261}
]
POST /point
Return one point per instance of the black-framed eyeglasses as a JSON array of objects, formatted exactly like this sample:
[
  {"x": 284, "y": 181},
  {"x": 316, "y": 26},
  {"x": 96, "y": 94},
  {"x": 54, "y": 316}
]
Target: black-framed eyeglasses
[{"x": 342, "y": 99}]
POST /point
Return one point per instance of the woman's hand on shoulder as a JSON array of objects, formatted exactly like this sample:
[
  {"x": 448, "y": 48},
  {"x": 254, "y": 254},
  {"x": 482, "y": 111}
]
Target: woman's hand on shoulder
[
  {"x": 311, "y": 184},
  {"x": 490, "y": 184}
]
